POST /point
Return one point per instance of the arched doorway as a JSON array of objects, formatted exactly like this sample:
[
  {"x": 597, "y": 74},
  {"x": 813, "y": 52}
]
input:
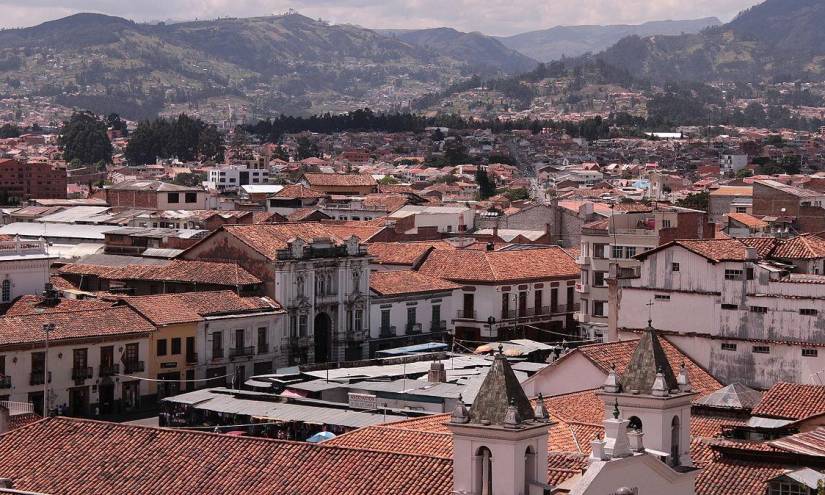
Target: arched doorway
[{"x": 323, "y": 337}]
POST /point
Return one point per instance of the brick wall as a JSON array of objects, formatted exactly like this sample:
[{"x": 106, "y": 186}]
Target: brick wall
[{"x": 132, "y": 199}]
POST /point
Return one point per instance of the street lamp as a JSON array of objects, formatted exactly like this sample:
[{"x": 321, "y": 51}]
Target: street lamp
[{"x": 47, "y": 327}]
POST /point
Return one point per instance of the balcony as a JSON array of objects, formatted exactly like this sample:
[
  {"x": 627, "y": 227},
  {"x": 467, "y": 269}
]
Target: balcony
[
  {"x": 438, "y": 326},
  {"x": 82, "y": 373},
  {"x": 191, "y": 357},
  {"x": 38, "y": 377},
  {"x": 357, "y": 335},
  {"x": 295, "y": 342},
  {"x": 413, "y": 329},
  {"x": 263, "y": 348},
  {"x": 5, "y": 382},
  {"x": 237, "y": 352},
  {"x": 566, "y": 308},
  {"x": 387, "y": 332},
  {"x": 583, "y": 260},
  {"x": 109, "y": 370},
  {"x": 467, "y": 314},
  {"x": 134, "y": 367}
]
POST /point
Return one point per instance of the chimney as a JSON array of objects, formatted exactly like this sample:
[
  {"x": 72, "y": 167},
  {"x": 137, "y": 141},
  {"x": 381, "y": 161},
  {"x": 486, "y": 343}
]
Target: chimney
[
  {"x": 437, "y": 373},
  {"x": 5, "y": 419},
  {"x": 636, "y": 440}
]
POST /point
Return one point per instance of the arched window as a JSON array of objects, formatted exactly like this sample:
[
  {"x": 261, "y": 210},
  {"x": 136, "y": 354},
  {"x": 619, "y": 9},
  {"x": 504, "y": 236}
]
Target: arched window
[
  {"x": 635, "y": 423},
  {"x": 484, "y": 471},
  {"x": 529, "y": 468},
  {"x": 6, "y": 290},
  {"x": 675, "y": 433}
]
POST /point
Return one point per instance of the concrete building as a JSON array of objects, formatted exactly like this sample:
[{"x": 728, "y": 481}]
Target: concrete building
[
  {"x": 527, "y": 293},
  {"x": 156, "y": 195},
  {"x": 804, "y": 207},
  {"x": 408, "y": 307},
  {"x": 744, "y": 318},
  {"x": 231, "y": 178},
  {"x": 614, "y": 243},
  {"x": 318, "y": 273},
  {"x": 24, "y": 268},
  {"x": 730, "y": 164},
  {"x": 729, "y": 199},
  {"x": 443, "y": 219}
]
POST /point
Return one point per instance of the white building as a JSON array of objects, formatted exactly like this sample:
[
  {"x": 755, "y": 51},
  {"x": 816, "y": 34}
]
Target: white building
[
  {"x": 528, "y": 293},
  {"x": 743, "y": 318},
  {"x": 733, "y": 163},
  {"x": 444, "y": 219},
  {"x": 96, "y": 358},
  {"x": 407, "y": 307},
  {"x": 319, "y": 274},
  {"x": 24, "y": 268},
  {"x": 233, "y": 177}
]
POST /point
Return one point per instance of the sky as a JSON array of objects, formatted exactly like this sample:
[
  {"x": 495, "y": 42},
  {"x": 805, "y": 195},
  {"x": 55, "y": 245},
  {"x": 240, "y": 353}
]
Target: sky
[{"x": 495, "y": 17}]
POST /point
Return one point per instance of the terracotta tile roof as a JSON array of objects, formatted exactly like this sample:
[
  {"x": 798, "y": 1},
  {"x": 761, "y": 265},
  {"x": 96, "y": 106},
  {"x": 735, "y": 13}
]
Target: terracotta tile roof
[
  {"x": 203, "y": 272},
  {"x": 302, "y": 214},
  {"x": 20, "y": 420},
  {"x": 323, "y": 180},
  {"x": 620, "y": 353},
  {"x": 733, "y": 191},
  {"x": 810, "y": 443},
  {"x": 791, "y": 401},
  {"x": 393, "y": 283},
  {"x": 734, "y": 477},
  {"x": 28, "y": 329},
  {"x": 297, "y": 191},
  {"x": 385, "y": 202},
  {"x": 764, "y": 245},
  {"x": 805, "y": 246},
  {"x": 186, "y": 307},
  {"x": 715, "y": 250},
  {"x": 267, "y": 239},
  {"x": 501, "y": 266},
  {"x": 122, "y": 459},
  {"x": 29, "y": 304},
  {"x": 398, "y": 253},
  {"x": 266, "y": 217},
  {"x": 402, "y": 441},
  {"x": 364, "y": 230},
  {"x": 749, "y": 221}
]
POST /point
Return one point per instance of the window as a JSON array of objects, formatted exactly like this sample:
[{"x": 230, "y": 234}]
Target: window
[
  {"x": 263, "y": 346},
  {"x": 176, "y": 346},
  {"x": 191, "y": 197},
  {"x": 741, "y": 209},
  {"x": 665, "y": 224},
  {"x": 505, "y": 305},
  {"x": 437, "y": 315},
  {"x": 6, "y": 290},
  {"x": 385, "y": 319},
  {"x": 598, "y": 279},
  {"x": 411, "y": 316},
  {"x": 730, "y": 307},
  {"x": 787, "y": 488},
  {"x": 293, "y": 325},
  {"x": 617, "y": 251},
  {"x": 761, "y": 349},
  {"x": 674, "y": 267},
  {"x": 130, "y": 355},
  {"x": 359, "y": 319},
  {"x": 749, "y": 273},
  {"x": 302, "y": 325},
  {"x": 173, "y": 197},
  {"x": 728, "y": 347},
  {"x": 217, "y": 345},
  {"x": 239, "y": 338},
  {"x": 162, "y": 347},
  {"x": 733, "y": 274},
  {"x": 661, "y": 297},
  {"x": 758, "y": 309},
  {"x": 810, "y": 353},
  {"x": 537, "y": 301},
  {"x": 598, "y": 251},
  {"x": 598, "y": 308},
  {"x": 808, "y": 312},
  {"x": 630, "y": 251}
]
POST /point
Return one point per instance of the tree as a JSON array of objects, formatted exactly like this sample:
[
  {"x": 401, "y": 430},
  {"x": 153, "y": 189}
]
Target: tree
[
  {"x": 437, "y": 135},
  {"x": 117, "y": 124},
  {"x": 306, "y": 148},
  {"x": 210, "y": 144},
  {"x": 189, "y": 179},
  {"x": 486, "y": 187},
  {"x": 9, "y": 131},
  {"x": 184, "y": 138},
  {"x": 388, "y": 180},
  {"x": 697, "y": 201},
  {"x": 743, "y": 173},
  {"x": 517, "y": 194},
  {"x": 455, "y": 153},
  {"x": 84, "y": 138}
]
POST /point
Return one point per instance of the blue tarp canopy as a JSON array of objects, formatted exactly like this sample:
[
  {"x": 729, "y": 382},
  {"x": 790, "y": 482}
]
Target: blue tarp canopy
[{"x": 415, "y": 349}]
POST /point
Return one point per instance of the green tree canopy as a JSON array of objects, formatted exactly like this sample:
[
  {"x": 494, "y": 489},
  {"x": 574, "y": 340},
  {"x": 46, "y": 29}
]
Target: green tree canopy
[
  {"x": 84, "y": 138},
  {"x": 486, "y": 187},
  {"x": 184, "y": 138}
]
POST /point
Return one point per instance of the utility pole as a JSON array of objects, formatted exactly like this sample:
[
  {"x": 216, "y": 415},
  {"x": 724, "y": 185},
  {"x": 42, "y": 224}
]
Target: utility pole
[{"x": 47, "y": 327}]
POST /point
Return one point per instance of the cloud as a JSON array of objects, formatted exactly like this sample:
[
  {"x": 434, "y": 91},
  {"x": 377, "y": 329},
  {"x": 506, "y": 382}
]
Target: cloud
[{"x": 488, "y": 16}]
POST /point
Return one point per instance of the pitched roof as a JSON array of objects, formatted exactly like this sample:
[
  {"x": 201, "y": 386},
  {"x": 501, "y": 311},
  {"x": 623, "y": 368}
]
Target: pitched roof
[
  {"x": 398, "y": 253},
  {"x": 805, "y": 246},
  {"x": 498, "y": 391},
  {"x": 747, "y": 220},
  {"x": 648, "y": 360},
  {"x": 186, "y": 307},
  {"x": 501, "y": 266},
  {"x": 407, "y": 282},
  {"x": 791, "y": 401},
  {"x": 202, "y": 272},
  {"x": 124, "y": 459},
  {"x": 30, "y": 304},
  {"x": 323, "y": 180},
  {"x": 116, "y": 321},
  {"x": 810, "y": 443},
  {"x": 268, "y": 239},
  {"x": 734, "y": 396},
  {"x": 714, "y": 250},
  {"x": 297, "y": 191}
]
